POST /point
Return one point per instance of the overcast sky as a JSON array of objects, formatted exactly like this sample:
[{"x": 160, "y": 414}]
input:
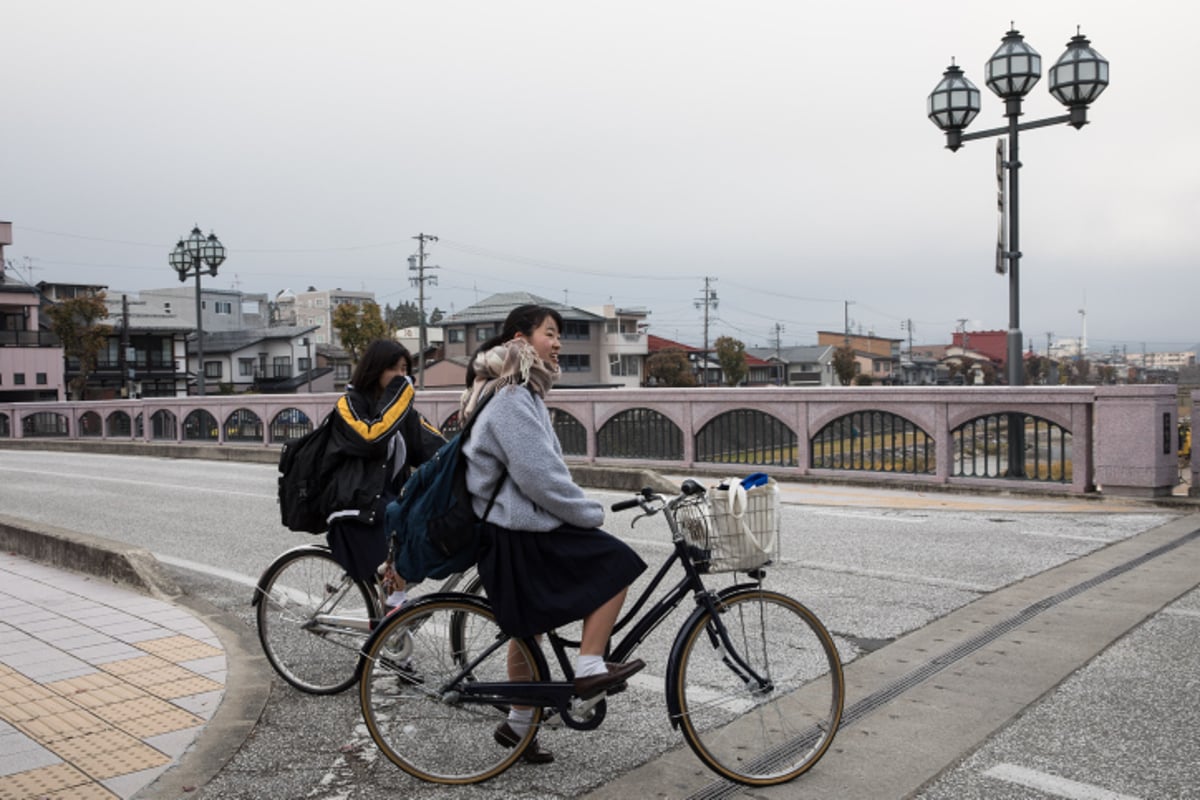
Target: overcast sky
[{"x": 610, "y": 151}]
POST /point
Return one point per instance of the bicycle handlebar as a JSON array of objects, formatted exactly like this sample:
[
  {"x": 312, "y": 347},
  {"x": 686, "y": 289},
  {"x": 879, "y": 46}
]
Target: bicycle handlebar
[
  {"x": 623, "y": 505},
  {"x": 689, "y": 488}
]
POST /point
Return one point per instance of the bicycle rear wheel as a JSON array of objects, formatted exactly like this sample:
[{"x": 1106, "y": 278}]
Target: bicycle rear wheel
[
  {"x": 412, "y": 673},
  {"x": 312, "y": 620},
  {"x": 761, "y": 705}
]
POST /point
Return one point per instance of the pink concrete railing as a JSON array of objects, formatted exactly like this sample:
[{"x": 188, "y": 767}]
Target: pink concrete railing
[{"x": 1122, "y": 437}]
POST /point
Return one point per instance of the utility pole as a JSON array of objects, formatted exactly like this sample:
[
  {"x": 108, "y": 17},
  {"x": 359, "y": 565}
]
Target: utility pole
[
  {"x": 906, "y": 325},
  {"x": 778, "y": 352},
  {"x": 124, "y": 354},
  {"x": 846, "y": 320},
  {"x": 417, "y": 263},
  {"x": 708, "y": 301}
]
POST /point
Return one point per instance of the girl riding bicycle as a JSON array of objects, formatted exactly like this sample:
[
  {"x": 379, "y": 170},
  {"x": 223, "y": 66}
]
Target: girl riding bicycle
[
  {"x": 377, "y": 438},
  {"x": 543, "y": 559}
]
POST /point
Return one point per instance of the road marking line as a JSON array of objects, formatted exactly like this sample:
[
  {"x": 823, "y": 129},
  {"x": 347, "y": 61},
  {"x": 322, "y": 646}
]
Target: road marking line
[
  {"x": 174, "y": 486},
  {"x": 1052, "y": 784},
  {"x": 1181, "y": 612},
  {"x": 206, "y": 569}
]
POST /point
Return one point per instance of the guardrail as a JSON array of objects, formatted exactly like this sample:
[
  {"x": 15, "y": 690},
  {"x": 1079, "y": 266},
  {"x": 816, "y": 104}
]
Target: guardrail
[{"x": 1119, "y": 439}]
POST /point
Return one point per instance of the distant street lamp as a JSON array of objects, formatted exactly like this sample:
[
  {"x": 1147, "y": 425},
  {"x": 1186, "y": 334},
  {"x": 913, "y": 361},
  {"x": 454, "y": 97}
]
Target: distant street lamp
[
  {"x": 1078, "y": 77},
  {"x": 187, "y": 258}
]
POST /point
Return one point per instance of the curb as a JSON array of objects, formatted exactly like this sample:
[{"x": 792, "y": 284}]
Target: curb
[
  {"x": 248, "y": 679},
  {"x": 134, "y": 567}
]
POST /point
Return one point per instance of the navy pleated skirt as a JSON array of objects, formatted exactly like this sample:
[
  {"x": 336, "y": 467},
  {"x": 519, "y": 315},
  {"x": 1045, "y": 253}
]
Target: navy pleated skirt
[{"x": 540, "y": 581}]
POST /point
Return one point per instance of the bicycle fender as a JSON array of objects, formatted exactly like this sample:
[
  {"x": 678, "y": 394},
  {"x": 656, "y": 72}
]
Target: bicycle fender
[
  {"x": 259, "y": 588},
  {"x": 674, "y": 661}
]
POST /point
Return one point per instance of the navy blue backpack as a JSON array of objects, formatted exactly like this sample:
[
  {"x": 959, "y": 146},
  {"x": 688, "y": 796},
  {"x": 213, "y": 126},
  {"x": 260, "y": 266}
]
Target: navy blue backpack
[{"x": 434, "y": 530}]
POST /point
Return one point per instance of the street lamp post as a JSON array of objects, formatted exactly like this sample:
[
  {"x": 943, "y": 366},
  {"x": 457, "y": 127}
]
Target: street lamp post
[
  {"x": 1076, "y": 79},
  {"x": 188, "y": 258}
]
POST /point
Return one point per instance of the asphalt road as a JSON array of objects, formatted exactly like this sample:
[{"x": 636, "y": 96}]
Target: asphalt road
[{"x": 873, "y": 566}]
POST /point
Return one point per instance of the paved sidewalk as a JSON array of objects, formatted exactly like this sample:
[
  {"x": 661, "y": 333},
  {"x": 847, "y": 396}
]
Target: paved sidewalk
[{"x": 102, "y": 689}]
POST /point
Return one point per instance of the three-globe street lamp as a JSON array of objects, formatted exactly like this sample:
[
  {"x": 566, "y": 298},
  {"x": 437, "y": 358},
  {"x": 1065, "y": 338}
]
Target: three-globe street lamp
[
  {"x": 188, "y": 258},
  {"x": 1076, "y": 79}
]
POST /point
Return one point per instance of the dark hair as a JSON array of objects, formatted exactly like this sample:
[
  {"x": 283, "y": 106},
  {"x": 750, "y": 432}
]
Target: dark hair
[
  {"x": 381, "y": 355},
  {"x": 523, "y": 320}
]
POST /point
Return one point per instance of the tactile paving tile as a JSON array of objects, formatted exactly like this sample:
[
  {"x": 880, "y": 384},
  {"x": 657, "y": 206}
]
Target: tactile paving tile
[
  {"x": 59, "y": 780},
  {"x": 108, "y": 754},
  {"x": 106, "y": 695},
  {"x": 179, "y": 648},
  {"x": 83, "y": 683},
  {"x": 184, "y": 687},
  {"x": 17, "y": 713},
  {"x": 152, "y": 677},
  {"x": 49, "y": 728},
  {"x": 129, "y": 666},
  {"x": 169, "y": 721}
]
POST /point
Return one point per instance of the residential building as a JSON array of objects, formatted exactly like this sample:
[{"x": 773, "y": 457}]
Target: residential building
[
  {"x": 314, "y": 308},
  {"x": 695, "y": 357},
  {"x": 31, "y": 359},
  {"x": 810, "y": 365},
  {"x": 876, "y": 356},
  {"x": 220, "y": 309},
  {"x": 602, "y": 349},
  {"x": 1175, "y": 361},
  {"x": 989, "y": 345},
  {"x": 623, "y": 344},
  {"x": 271, "y": 360}
]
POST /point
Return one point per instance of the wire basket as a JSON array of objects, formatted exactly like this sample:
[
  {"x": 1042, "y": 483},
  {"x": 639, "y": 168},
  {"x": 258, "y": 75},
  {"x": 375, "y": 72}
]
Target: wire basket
[{"x": 723, "y": 537}]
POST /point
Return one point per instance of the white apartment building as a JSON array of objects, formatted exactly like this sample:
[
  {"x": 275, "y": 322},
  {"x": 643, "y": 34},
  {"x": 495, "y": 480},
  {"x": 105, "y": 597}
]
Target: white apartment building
[{"x": 315, "y": 307}]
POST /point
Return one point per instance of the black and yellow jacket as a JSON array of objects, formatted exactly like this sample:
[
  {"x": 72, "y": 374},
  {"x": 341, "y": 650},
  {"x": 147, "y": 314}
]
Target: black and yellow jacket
[{"x": 372, "y": 446}]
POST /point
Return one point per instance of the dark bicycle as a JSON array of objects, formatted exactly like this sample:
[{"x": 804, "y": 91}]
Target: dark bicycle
[{"x": 753, "y": 681}]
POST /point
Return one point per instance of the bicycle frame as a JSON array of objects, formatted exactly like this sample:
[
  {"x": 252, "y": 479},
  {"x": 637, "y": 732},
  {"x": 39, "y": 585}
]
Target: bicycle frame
[{"x": 559, "y": 695}]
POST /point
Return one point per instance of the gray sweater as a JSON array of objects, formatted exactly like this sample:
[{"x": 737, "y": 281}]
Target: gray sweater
[{"x": 514, "y": 431}]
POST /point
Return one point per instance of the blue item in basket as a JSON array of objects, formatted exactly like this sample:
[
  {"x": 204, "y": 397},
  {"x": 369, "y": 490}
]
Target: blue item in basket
[{"x": 755, "y": 479}]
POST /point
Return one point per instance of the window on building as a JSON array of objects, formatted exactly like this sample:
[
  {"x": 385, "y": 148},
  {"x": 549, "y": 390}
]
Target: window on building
[
  {"x": 223, "y": 307},
  {"x": 212, "y": 369},
  {"x": 456, "y": 335},
  {"x": 576, "y": 330},
  {"x": 484, "y": 332},
  {"x": 575, "y": 363},
  {"x": 18, "y": 379},
  {"x": 620, "y": 366},
  {"x": 305, "y": 363},
  {"x": 341, "y": 372},
  {"x": 282, "y": 366},
  {"x": 40, "y": 379},
  {"x": 246, "y": 367}
]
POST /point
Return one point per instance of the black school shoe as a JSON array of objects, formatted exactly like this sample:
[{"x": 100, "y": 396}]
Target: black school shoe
[
  {"x": 614, "y": 677},
  {"x": 534, "y": 754}
]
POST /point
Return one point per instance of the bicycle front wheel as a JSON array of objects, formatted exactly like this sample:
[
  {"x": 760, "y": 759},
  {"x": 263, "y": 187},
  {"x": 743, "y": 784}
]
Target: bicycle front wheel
[
  {"x": 759, "y": 688},
  {"x": 411, "y": 690},
  {"x": 312, "y": 620}
]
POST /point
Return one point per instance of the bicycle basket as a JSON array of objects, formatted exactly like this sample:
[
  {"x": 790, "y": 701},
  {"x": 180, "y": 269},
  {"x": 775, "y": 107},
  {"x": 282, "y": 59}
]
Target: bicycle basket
[
  {"x": 695, "y": 523},
  {"x": 744, "y": 538}
]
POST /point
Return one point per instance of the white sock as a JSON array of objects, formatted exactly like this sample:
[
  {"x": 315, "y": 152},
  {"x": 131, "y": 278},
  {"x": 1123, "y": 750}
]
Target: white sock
[
  {"x": 589, "y": 665},
  {"x": 519, "y": 719},
  {"x": 396, "y": 599}
]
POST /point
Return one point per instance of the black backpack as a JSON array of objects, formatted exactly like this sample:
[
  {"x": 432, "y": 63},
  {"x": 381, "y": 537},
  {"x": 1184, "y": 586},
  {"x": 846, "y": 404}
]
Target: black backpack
[{"x": 304, "y": 482}]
